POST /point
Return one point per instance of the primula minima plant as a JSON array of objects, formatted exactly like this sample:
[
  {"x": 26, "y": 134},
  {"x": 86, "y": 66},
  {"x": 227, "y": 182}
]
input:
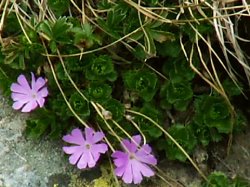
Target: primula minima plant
[
  {"x": 27, "y": 97},
  {"x": 134, "y": 162},
  {"x": 86, "y": 149}
]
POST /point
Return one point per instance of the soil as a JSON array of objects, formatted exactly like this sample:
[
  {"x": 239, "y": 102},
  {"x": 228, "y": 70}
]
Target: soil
[{"x": 42, "y": 163}]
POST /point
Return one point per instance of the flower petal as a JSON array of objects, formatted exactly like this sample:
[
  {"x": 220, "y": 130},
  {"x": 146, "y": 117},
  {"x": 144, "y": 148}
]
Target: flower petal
[
  {"x": 144, "y": 155},
  {"x": 129, "y": 146},
  {"x": 145, "y": 170},
  {"x": 20, "y": 97},
  {"x": 82, "y": 163},
  {"x": 40, "y": 82},
  {"x": 132, "y": 145},
  {"x": 121, "y": 158},
  {"x": 137, "y": 176},
  {"x": 19, "y": 89},
  {"x": 89, "y": 132},
  {"x": 17, "y": 105},
  {"x": 146, "y": 148},
  {"x": 90, "y": 160},
  {"x": 98, "y": 136},
  {"x": 40, "y": 102},
  {"x": 100, "y": 148},
  {"x": 121, "y": 162},
  {"x": 119, "y": 154},
  {"x": 33, "y": 81},
  {"x": 43, "y": 92},
  {"x": 128, "y": 175},
  {"x": 148, "y": 159},
  {"x": 23, "y": 82},
  {"x": 96, "y": 155},
  {"x": 73, "y": 159},
  {"x": 75, "y": 137},
  {"x": 72, "y": 149},
  {"x": 31, "y": 105},
  {"x": 137, "y": 140},
  {"x": 119, "y": 171}
]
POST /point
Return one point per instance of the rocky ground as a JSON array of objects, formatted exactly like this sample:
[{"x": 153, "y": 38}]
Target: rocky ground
[
  {"x": 26, "y": 163},
  {"x": 41, "y": 163}
]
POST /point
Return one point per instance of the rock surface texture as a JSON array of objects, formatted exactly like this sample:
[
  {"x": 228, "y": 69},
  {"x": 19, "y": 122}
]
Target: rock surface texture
[{"x": 26, "y": 163}]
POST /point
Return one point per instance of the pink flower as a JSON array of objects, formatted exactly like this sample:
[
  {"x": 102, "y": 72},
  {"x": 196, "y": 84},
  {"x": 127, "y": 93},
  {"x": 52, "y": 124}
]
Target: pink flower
[
  {"x": 86, "y": 150},
  {"x": 28, "y": 97},
  {"x": 134, "y": 163}
]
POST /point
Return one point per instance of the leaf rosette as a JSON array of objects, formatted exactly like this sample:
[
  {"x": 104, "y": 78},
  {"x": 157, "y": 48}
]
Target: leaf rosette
[
  {"x": 101, "y": 68},
  {"x": 143, "y": 82},
  {"x": 116, "y": 108},
  {"x": 149, "y": 129},
  {"x": 214, "y": 113},
  {"x": 80, "y": 105},
  {"x": 184, "y": 135},
  {"x": 99, "y": 92},
  {"x": 178, "y": 94}
]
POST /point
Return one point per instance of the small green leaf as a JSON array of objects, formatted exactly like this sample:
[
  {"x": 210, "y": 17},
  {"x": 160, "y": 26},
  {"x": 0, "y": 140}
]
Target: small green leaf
[
  {"x": 178, "y": 70},
  {"x": 116, "y": 108},
  {"x": 178, "y": 94},
  {"x": 212, "y": 117},
  {"x": 101, "y": 68},
  {"x": 149, "y": 43},
  {"x": 169, "y": 49},
  {"x": 45, "y": 28},
  {"x": 59, "y": 7},
  {"x": 99, "y": 92},
  {"x": 144, "y": 82},
  {"x": 80, "y": 106},
  {"x": 217, "y": 179},
  {"x": 149, "y": 129},
  {"x": 231, "y": 88},
  {"x": 60, "y": 30},
  {"x": 184, "y": 135}
]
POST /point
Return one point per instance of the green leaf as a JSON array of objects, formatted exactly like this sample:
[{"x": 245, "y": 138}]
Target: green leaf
[
  {"x": 149, "y": 43},
  {"x": 59, "y": 7},
  {"x": 45, "y": 28},
  {"x": 99, "y": 92},
  {"x": 18, "y": 55},
  {"x": 178, "y": 70},
  {"x": 217, "y": 179},
  {"x": 116, "y": 108},
  {"x": 60, "y": 30},
  {"x": 178, "y": 94},
  {"x": 169, "y": 49},
  {"x": 240, "y": 182},
  {"x": 80, "y": 106},
  {"x": 240, "y": 122},
  {"x": 143, "y": 82},
  {"x": 56, "y": 32},
  {"x": 149, "y": 129},
  {"x": 212, "y": 117},
  {"x": 84, "y": 37},
  {"x": 184, "y": 135},
  {"x": 59, "y": 106},
  {"x": 108, "y": 29},
  {"x": 11, "y": 24},
  {"x": 36, "y": 128},
  {"x": 101, "y": 68},
  {"x": 231, "y": 88}
]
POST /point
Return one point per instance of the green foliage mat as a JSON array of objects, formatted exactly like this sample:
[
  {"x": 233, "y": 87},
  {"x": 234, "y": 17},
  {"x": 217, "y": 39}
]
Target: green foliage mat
[{"x": 113, "y": 57}]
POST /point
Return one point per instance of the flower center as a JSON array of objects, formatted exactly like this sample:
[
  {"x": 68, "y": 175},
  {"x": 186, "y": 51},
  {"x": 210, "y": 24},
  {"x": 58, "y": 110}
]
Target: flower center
[
  {"x": 87, "y": 146},
  {"x": 132, "y": 156},
  {"x": 33, "y": 95}
]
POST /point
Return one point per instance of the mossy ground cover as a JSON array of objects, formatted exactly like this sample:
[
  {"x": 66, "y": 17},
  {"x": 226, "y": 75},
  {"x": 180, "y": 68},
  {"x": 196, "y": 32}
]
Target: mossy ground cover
[{"x": 172, "y": 72}]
